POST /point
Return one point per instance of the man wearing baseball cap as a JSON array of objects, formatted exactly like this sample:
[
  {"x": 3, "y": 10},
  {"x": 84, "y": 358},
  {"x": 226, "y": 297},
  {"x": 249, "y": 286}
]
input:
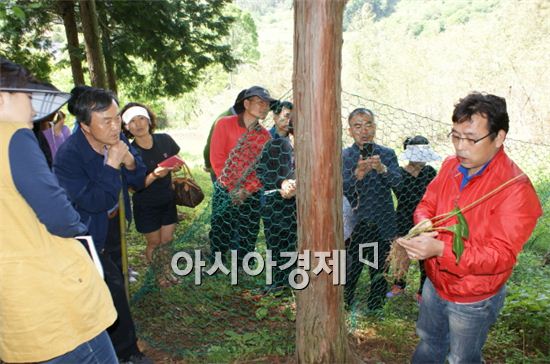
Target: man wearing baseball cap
[
  {"x": 237, "y": 108},
  {"x": 237, "y": 141}
]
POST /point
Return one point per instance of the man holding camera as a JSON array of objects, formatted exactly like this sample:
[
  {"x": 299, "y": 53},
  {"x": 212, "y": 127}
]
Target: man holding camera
[{"x": 370, "y": 171}]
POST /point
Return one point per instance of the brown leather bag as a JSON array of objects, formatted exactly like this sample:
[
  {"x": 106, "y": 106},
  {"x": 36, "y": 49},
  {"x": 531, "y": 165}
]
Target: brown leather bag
[{"x": 188, "y": 192}]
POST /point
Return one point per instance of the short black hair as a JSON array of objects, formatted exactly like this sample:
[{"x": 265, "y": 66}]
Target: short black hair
[
  {"x": 360, "y": 111},
  {"x": 75, "y": 92},
  {"x": 415, "y": 140},
  {"x": 278, "y": 106},
  {"x": 13, "y": 75},
  {"x": 92, "y": 100},
  {"x": 489, "y": 106}
]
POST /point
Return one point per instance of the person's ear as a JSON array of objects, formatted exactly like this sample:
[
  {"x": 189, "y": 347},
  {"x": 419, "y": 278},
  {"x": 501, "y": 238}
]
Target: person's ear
[
  {"x": 85, "y": 128},
  {"x": 501, "y": 137},
  {"x": 246, "y": 104}
]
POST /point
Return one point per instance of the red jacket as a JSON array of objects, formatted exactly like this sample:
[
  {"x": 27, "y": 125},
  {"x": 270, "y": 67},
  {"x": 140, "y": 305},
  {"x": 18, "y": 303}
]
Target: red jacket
[
  {"x": 230, "y": 165},
  {"x": 499, "y": 227}
]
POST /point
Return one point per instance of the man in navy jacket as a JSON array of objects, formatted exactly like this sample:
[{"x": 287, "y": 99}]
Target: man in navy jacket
[
  {"x": 370, "y": 171},
  {"x": 94, "y": 166}
]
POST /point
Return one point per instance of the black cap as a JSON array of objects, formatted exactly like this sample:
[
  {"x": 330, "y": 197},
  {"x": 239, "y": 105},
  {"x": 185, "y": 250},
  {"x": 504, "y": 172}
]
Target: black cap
[
  {"x": 238, "y": 106},
  {"x": 259, "y": 91}
]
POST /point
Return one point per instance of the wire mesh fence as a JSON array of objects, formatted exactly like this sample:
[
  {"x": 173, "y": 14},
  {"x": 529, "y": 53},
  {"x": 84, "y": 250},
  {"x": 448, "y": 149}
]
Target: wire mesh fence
[{"x": 237, "y": 260}]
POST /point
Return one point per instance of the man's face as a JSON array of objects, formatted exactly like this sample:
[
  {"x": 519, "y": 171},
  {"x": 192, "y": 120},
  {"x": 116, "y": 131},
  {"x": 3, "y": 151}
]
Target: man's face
[
  {"x": 16, "y": 107},
  {"x": 282, "y": 120},
  {"x": 474, "y": 155},
  {"x": 104, "y": 128},
  {"x": 256, "y": 107},
  {"x": 362, "y": 128}
]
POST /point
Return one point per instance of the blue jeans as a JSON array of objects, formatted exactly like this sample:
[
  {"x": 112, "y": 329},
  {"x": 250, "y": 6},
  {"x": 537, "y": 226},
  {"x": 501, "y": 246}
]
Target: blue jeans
[
  {"x": 459, "y": 330},
  {"x": 99, "y": 350}
]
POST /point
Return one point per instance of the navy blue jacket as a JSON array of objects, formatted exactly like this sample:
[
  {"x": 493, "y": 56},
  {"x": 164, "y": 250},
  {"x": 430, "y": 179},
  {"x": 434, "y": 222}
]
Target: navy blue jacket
[
  {"x": 94, "y": 187},
  {"x": 371, "y": 198}
]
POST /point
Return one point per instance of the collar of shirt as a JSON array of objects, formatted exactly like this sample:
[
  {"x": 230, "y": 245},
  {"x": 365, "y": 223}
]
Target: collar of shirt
[{"x": 465, "y": 178}]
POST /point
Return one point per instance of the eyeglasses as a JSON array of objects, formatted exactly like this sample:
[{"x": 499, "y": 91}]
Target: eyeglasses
[{"x": 456, "y": 139}]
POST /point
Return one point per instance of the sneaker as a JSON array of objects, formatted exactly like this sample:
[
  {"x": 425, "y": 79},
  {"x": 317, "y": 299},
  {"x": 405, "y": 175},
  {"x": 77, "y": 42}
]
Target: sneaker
[
  {"x": 138, "y": 358},
  {"x": 132, "y": 279},
  {"x": 132, "y": 273},
  {"x": 396, "y": 290}
]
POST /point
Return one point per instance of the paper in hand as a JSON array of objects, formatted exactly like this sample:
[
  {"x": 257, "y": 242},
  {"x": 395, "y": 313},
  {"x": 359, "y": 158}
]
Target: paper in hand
[{"x": 173, "y": 161}]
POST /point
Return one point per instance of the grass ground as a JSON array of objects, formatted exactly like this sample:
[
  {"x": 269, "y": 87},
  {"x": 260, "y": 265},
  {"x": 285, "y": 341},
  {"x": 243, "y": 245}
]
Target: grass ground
[{"x": 218, "y": 322}]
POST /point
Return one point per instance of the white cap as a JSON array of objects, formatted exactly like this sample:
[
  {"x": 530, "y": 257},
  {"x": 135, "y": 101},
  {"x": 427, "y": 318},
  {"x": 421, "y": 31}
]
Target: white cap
[
  {"x": 419, "y": 153},
  {"x": 134, "y": 111}
]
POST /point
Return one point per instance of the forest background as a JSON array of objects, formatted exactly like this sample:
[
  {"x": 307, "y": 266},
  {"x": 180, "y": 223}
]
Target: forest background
[{"x": 420, "y": 56}]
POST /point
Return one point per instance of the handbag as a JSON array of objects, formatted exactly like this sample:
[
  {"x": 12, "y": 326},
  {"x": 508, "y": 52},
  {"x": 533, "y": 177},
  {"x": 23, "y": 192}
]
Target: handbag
[{"x": 188, "y": 192}]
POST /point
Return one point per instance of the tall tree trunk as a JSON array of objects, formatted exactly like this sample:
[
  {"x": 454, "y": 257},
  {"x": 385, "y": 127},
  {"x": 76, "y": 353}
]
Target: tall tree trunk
[
  {"x": 66, "y": 10},
  {"x": 321, "y": 335},
  {"x": 109, "y": 63},
  {"x": 104, "y": 25},
  {"x": 94, "y": 51}
]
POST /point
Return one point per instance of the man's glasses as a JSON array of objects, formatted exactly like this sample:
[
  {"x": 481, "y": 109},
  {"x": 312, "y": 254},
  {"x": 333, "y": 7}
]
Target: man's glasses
[{"x": 456, "y": 139}]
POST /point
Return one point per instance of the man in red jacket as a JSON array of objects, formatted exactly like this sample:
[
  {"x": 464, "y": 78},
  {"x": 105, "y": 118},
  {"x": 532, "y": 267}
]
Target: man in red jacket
[
  {"x": 237, "y": 142},
  {"x": 462, "y": 297}
]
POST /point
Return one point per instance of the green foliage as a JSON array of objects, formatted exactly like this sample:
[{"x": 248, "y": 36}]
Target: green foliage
[
  {"x": 23, "y": 24},
  {"x": 182, "y": 41},
  {"x": 379, "y": 8},
  {"x": 162, "y": 49},
  {"x": 523, "y": 329},
  {"x": 460, "y": 232},
  {"x": 539, "y": 241},
  {"x": 243, "y": 36},
  {"x": 264, "y": 7}
]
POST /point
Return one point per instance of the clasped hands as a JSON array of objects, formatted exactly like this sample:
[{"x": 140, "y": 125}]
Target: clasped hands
[
  {"x": 119, "y": 154},
  {"x": 364, "y": 166}
]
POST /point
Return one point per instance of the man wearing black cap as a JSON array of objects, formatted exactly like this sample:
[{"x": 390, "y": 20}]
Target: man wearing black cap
[
  {"x": 237, "y": 142},
  {"x": 237, "y": 108}
]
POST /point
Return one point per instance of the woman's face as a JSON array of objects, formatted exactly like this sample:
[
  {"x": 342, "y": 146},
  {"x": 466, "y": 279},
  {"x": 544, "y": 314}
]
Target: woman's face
[
  {"x": 16, "y": 107},
  {"x": 138, "y": 126}
]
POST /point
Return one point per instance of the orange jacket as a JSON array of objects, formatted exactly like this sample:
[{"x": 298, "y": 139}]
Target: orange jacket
[{"x": 499, "y": 227}]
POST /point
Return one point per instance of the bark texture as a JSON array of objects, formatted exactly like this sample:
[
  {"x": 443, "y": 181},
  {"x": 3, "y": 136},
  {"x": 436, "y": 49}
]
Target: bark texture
[
  {"x": 321, "y": 334},
  {"x": 94, "y": 51}
]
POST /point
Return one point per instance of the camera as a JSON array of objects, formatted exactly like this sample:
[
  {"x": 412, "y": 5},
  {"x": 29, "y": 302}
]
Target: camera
[{"x": 367, "y": 151}]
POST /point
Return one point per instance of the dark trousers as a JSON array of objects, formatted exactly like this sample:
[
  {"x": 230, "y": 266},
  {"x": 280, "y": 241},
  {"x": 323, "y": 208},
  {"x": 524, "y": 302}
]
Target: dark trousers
[
  {"x": 122, "y": 332},
  {"x": 279, "y": 216},
  {"x": 366, "y": 232},
  {"x": 230, "y": 220}
]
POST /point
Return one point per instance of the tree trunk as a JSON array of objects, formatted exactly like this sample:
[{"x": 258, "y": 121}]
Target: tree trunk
[
  {"x": 104, "y": 25},
  {"x": 66, "y": 10},
  {"x": 94, "y": 52},
  {"x": 321, "y": 334}
]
